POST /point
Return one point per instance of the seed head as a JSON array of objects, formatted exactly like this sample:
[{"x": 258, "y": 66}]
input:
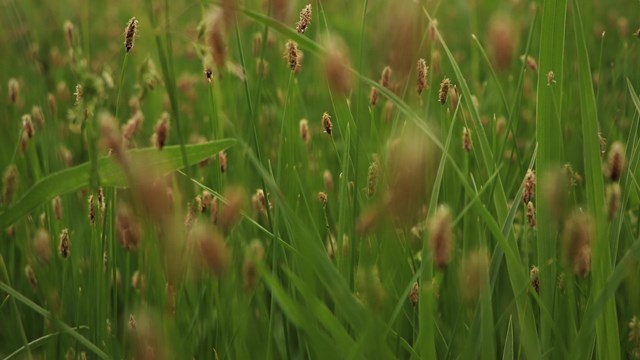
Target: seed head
[
  {"x": 233, "y": 206},
  {"x": 531, "y": 214},
  {"x": 257, "y": 44},
  {"x": 68, "y": 31},
  {"x": 529, "y": 186},
  {"x": 551, "y": 78},
  {"x": 31, "y": 276},
  {"x": 373, "y": 97},
  {"x": 92, "y": 210},
  {"x": 502, "y": 42},
  {"x": 466, "y": 139},
  {"x": 577, "y": 236},
  {"x": 293, "y": 56},
  {"x": 531, "y": 63},
  {"x": 38, "y": 116},
  {"x": 56, "y": 204},
  {"x": 372, "y": 175},
  {"x": 65, "y": 244},
  {"x": 440, "y": 237},
  {"x": 216, "y": 37},
  {"x": 305, "y": 19},
  {"x": 423, "y": 73},
  {"x": 336, "y": 64},
  {"x": 327, "y": 178},
  {"x": 305, "y": 135},
  {"x": 616, "y": 161},
  {"x": 322, "y": 197},
  {"x": 130, "y": 33},
  {"x": 78, "y": 94},
  {"x": 42, "y": 245},
  {"x": 533, "y": 277},
  {"x": 385, "y": 77},
  {"x": 474, "y": 275},
  {"x": 9, "y": 184},
  {"x": 326, "y": 123},
  {"x": 414, "y": 295},
  {"x": 111, "y": 138},
  {"x": 161, "y": 134},
  {"x": 603, "y": 144},
  {"x": 127, "y": 228},
  {"x": 254, "y": 253},
  {"x": 613, "y": 200},
  {"x": 14, "y": 91},
  {"x": 212, "y": 246},
  {"x": 223, "y": 161},
  {"x": 52, "y": 104},
  {"x": 370, "y": 286},
  {"x": 27, "y": 126},
  {"x": 444, "y": 90}
]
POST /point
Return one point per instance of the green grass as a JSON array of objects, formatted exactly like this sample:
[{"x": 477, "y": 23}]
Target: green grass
[{"x": 286, "y": 277}]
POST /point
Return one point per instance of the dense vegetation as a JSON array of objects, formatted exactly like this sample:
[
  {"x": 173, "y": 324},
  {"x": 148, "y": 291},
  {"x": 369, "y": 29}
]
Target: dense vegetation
[{"x": 332, "y": 179}]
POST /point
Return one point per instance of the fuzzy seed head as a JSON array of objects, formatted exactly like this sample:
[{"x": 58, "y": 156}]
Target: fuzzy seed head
[
  {"x": 52, "y": 103},
  {"x": 613, "y": 200},
  {"x": 305, "y": 135},
  {"x": 372, "y": 175},
  {"x": 127, "y": 228},
  {"x": 78, "y": 94},
  {"x": 293, "y": 56},
  {"x": 326, "y": 123},
  {"x": 474, "y": 275},
  {"x": 27, "y": 126},
  {"x": 466, "y": 139},
  {"x": 161, "y": 134},
  {"x": 56, "y": 204},
  {"x": 531, "y": 62},
  {"x": 216, "y": 37},
  {"x": 212, "y": 246},
  {"x": 223, "y": 161},
  {"x": 423, "y": 73},
  {"x": 9, "y": 184},
  {"x": 603, "y": 144},
  {"x": 327, "y": 178},
  {"x": 529, "y": 186},
  {"x": 441, "y": 237},
  {"x": 370, "y": 287},
  {"x": 414, "y": 295},
  {"x": 130, "y": 34},
  {"x": 322, "y": 197},
  {"x": 233, "y": 206},
  {"x": 533, "y": 277},
  {"x": 14, "y": 91},
  {"x": 336, "y": 64},
  {"x": 31, "y": 276},
  {"x": 531, "y": 214},
  {"x": 444, "y": 90},
  {"x": 551, "y": 78},
  {"x": 373, "y": 97},
  {"x": 254, "y": 253},
  {"x": 257, "y": 44},
  {"x": 616, "y": 161},
  {"x": 385, "y": 77},
  {"x": 38, "y": 116},
  {"x": 65, "y": 244},
  {"x": 111, "y": 138},
  {"x": 68, "y": 31},
  {"x": 502, "y": 42},
  {"x": 42, "y": 245},
  {"x": 577, "y": 236},
  {"x": 92, "y": 210},
  {"x": 305, "y": 19}
]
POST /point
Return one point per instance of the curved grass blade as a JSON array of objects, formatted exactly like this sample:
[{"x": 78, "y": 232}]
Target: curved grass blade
[
  {"x": 40, "y": 342},
  {"x": 111, "y": 174}
]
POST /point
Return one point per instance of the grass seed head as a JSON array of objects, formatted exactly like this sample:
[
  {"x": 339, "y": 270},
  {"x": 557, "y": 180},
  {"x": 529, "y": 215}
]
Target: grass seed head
[
  {"x": 613, "y": 200},
  {"x": 444, "y": 90},
  {"x": 323, "y": 198},
  {"x": 216, "y": 37},
  {"x": 111, "y": 138},
  {"x": 502, "y": 42},
  {"x": 56, "y": 204},
  {"x": 533, "y": 277},
  {"x": 327, "y": 179},
  {"x": 531, "y": 214},
  {"x": 31, "y": 276},
  {"x": 385, "y": 77},
  {"x": 223, "y": 161},
  {"x": 130, "y": 34},
  {"x": 9, "y": 184},
  {"x": 42, "y": 245},
  {"x": 577, "y": 237},
  {"x": 65, "y": 244},
  {"x": 233, "y": 207},
  {"x": 305, "y": 19},
  {"x": 616, "y": 161},
  {"x": 38, "y": 116},
  {"x": 213, "y": 249},
  {"x": 423, "y": 76},
  {"x": 336, "y": 65},
  {"x": 52, "y": 104},
  {"x": 68, "y": 32},
  {"x": 27, "y": 126},
  {"x": 373, "y": 96},
  {"x": 305, "y": 135},
  {"x": 551, "y": 78},
  {"x": 127, "y": 228},
  {"x": 466, "y": 139},
  {"x": 161, "y": 133},
  {"x": 474, "y": 275},
  {"x": 326, "y": 123},
  {"x": 14, "y": 91},
  {"x": 529, "y": 187},
  {"x": 441, "y": 237},
  {"x": 414, "y": 295},
  {"x": 257, "y": 44},
  {"x": 293, "y": 56},
  {"x": 92, "y": 210},
  {"x": 372, "y": 175}
]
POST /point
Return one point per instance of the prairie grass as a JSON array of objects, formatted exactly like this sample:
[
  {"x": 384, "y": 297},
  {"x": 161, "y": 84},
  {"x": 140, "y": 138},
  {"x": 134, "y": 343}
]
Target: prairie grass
[{"x": 328, "y": 179}]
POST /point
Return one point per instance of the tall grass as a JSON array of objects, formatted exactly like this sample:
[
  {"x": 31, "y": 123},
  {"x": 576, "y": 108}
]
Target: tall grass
[{"x": 407, "y": 231}]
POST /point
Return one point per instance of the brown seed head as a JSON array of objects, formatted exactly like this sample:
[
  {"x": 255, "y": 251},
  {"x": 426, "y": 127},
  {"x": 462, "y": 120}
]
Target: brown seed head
[
  {"x": 414, "y": 295},
  {"x": 551, "y": 78},
  {"x": 233, "y": 206},
  {"x": 216, "y": 37},
  {"x": 502, "y": 42},
  {"x": 78, "y": 94},
  {"x": 577, "y": 236},
  {"x": 56, "y": 204},
  {"x": 31, "y": 276},
  {"x": 161, "y": 133},
  {"x": 372, "y": 175},
  {"x": 613, "y": 200},
  {"x": 533, "y": 277},
  {"x": 440, "y": 237},
  {"x": 9, "y": 184},
  {"x": 322, "y": 197},
  {"x": 14, "y": 91},
  {"x": 52, "y": 104},
  {"x": 42, "y": 245},
  {"x": 292, "y": 54},
  {"x": 466, "y": 139},
  {"x": 92, "y": 210},
  {"x": 254, "y": 253},
  {"x": 223, "y": 161},
  {"x": 65, "y": 244},
  {"x": 373, "y": 97},
  {"x": 305, "y": 135},
  {"x": 336, "y": 64},
  {"x": 127, "y": 228},
  {"x": 68, "y": 31},
  {"x": 212, "y": 246},
  {"x": 385, "y": 77},
  {"x": 531, "y": 214},
  {"x": 444, "y": 90},
  {"x": 130, "y": 33},
  {"x": 616, "y": 161},
  {"x": 111, "y": 138},
  {"x": 529, "y": 186},
  {"x": 305, "y": 19},
  {"x": 531, "y": 63},
  {"x": 38, "y": 116},
  {"x": 326, "y": 123},
  {"x": 327, "y": 178},
  {"x": 474, "y": 274},
  {"x": 423, "y": 73},
  {"x": 257, "y": 44},
  {"x": 27, "y": 126}
]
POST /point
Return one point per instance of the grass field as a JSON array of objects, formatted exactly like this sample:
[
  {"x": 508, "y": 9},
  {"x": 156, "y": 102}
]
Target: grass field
[{"x": 333, "y": 179}]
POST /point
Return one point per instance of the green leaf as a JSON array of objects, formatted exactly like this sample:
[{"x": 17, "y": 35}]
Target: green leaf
[{"x": 111, "y": 174}]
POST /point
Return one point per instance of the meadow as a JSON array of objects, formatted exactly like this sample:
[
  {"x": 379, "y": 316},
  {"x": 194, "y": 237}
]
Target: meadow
[{"x": 331, "y": 179}]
